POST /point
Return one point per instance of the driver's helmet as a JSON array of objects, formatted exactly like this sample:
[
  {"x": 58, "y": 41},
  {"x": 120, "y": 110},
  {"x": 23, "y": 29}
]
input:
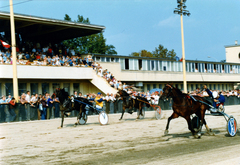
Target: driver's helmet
[{"x": 215, "y": 94}]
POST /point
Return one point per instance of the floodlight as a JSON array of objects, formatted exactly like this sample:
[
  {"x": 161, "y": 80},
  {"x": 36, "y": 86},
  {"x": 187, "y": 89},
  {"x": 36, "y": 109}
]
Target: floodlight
[
  {"x": 175, "y": 12},
  {"x": 188, "y": 14},
  {"x": 184, "y": 6}
]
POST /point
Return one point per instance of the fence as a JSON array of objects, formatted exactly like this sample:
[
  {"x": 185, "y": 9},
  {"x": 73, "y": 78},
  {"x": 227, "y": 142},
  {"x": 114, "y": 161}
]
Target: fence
[{"x": 26, "y": 112}]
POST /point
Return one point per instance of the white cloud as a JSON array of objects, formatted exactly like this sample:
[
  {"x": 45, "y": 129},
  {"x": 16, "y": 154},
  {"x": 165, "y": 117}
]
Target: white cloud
[{"x": 169, "y": 22}]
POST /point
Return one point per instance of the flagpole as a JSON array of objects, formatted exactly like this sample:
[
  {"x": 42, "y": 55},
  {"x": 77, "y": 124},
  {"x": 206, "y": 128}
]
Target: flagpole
[{"x": 14, "y": 56}]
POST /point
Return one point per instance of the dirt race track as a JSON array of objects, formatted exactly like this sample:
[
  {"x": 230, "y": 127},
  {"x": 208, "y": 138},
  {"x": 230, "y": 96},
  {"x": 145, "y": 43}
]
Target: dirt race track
[{"x": 120, "y": 142}]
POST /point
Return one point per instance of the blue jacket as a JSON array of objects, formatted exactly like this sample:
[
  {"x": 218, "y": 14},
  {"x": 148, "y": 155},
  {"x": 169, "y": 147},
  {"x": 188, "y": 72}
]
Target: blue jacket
[{"x": 221, "y": 99}]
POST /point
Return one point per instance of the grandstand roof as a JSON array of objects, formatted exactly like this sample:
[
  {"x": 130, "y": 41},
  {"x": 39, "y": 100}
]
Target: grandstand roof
[{"x": 46, "y": 30}]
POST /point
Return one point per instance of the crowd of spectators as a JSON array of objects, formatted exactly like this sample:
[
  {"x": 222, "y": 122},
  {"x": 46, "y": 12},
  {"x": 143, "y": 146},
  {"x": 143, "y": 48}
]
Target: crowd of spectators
[
  {"x": 47, "y": 57},
  {"x": 41, "y": 102},
  {"x": 227, "y": 93}
]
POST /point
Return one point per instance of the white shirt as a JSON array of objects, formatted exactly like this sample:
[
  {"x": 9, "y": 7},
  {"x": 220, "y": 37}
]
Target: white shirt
[
  {"x": 27, "y": 98},
  {"x": 33, "y": 99},
  {"x": 156, "y": 98},
  {"x": 108, "y": 98}
]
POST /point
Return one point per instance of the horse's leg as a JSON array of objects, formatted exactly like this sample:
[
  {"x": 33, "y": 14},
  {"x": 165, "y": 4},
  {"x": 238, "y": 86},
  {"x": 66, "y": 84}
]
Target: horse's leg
[
  {"x": 209, "y": 130},
  {"x": 123, "y": 110},
  {"x": 190, "y": 124},
  {"x": 62, "y": 114},
  {"x": 174, "y": 115},
  {"x": 139, "y": 112},
  {"x": 79, "y": 115}
]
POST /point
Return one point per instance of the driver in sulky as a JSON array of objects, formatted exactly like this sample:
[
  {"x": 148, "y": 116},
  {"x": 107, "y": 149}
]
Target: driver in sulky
[{"x": 218, "y": 99}]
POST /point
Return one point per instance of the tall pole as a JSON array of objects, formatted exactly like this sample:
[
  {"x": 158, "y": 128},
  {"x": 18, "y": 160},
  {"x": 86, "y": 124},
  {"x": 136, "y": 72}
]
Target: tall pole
[
  {"x": 183, "y": 58},
  {"x": 14, "y": 56},
  {"x": 181, "y": 11}
]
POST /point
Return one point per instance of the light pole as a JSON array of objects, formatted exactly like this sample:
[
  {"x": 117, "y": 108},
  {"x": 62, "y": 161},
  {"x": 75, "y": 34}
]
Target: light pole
[
  {"x": 181, "y": 11},
  {"x": 14, "y": 56}
]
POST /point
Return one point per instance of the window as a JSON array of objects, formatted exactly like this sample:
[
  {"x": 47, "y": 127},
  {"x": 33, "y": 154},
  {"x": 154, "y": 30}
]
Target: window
[
  {"x": 66, "y": 87},
  {"x": 76, "y": 87},
  {"x": 139, "y": 64},
  {"x": 154, "y": 86},
  {"x": 55, "y": 86},
  {"x": 205, "y": 67},
  {"x": 148, "y": 64},
  {"x": 22, "y": 88},
  {"x": 152, "y": 62},
  {"x": 45, "y": 88},
  {"x": 156, "y": 62},
  {"x": 97, "y": 58},
  {"x": 102, "y": 59},
  {"x": 107, "y": 59},
  {"x": 9, "y": 88},
  {"x": 112, "y": 60},
  {"x": 148, "y": 87},
  {"x": 116, "y": 59},
  {"x": 191, "y": 87},
  {"x": 34, "y": 88},
  {"x": 164, "y": 68},
  {"x": 127, "y": 64},
  {"x": 160, "y": 86}
]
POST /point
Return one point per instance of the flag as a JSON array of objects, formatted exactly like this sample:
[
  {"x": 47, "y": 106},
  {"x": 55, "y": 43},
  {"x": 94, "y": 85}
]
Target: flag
[
  {"x": 4, "y": 44},
  {"x": 181, "y": 59}
]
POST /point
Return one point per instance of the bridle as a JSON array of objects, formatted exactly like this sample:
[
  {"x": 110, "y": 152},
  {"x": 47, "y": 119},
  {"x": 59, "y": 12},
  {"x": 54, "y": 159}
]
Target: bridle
[{"x": 169, "y": 90}]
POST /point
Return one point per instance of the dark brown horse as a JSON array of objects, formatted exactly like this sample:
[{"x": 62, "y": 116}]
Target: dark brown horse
[
  {"x": 184, "y": 106},
  {"x": 130, "y": 103},
  {"x": 69, "y": 105}
]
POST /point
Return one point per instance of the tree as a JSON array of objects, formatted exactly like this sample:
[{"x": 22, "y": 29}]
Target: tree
[
  {"x": 95, "y": 43},
  {"x": 159, "y": 52},
  {"x": 171, "y": 54},
  {"x": 142, "y": 53},
  {"x": 67, "y": 18}
]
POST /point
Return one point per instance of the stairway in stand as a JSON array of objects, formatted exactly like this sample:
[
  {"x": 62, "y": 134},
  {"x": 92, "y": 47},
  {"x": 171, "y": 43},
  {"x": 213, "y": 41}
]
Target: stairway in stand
[{"x": 102, "y": 84}]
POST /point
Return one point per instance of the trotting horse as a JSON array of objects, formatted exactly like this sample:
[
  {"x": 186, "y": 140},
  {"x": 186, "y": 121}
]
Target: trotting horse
[
  {"x": 68, "y": 105},
  {"x": 131, "y": 103},
  {"x": 185, "y": 106}
]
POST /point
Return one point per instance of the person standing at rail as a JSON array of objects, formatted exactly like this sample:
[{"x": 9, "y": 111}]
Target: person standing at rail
[{"x": 218, "y": 98}]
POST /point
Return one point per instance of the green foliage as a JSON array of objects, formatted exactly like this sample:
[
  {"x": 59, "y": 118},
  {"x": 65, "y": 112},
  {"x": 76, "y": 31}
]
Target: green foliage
[
  {"x": 95, "y": 43},
  {"x": 159, "y": 52},
  {"x": 67, "y": 18}
]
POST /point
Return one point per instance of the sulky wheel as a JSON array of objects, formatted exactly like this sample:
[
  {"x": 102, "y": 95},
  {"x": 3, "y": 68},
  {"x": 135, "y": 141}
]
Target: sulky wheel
[
  {"x": 158, "y": 113},
  {"x": 83, "y": 120},
  {"x": 232, "y": 126},
  {"x": 103, "y": 118}
]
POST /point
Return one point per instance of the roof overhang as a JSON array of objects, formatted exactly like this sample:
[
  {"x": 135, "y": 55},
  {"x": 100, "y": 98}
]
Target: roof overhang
[{"x": 45, "y": 30}]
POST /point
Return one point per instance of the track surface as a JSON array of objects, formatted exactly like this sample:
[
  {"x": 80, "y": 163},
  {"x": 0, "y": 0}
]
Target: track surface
[{"x": 120, "y": 142}]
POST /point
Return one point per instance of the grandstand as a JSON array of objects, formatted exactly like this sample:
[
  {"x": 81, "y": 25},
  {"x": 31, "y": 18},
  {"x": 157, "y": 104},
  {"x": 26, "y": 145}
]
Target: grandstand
[{"x": 145, "y": 73}]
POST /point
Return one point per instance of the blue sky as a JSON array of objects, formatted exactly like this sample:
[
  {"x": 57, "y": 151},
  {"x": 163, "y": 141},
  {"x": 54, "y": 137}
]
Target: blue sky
[{"x": 134, "y": 25}]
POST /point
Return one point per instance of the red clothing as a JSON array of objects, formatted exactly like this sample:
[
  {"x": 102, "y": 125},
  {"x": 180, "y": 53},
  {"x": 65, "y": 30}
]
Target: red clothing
[
  {"x": 49, "y": 50},
  {"x": 11, "y": 104},
  {"x": 38, "y": 57}
]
